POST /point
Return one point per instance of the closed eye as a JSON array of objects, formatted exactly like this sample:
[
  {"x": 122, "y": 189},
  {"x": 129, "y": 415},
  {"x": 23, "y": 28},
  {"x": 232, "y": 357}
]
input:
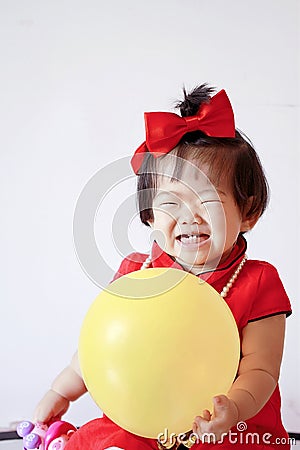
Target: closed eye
[{"x": 211, "y": 201}]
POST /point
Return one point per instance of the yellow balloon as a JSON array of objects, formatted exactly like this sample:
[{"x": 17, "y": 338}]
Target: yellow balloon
[{"x": 155, "y": 347}]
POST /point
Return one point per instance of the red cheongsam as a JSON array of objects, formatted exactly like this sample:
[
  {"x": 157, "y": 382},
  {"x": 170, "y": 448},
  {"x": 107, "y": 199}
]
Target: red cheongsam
[{"x": 257, "y": 293}]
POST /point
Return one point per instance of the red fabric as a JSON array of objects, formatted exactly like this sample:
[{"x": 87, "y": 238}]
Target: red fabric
[
  {"x": 257, "y": 293},
  {"x": 164, "y": 130},
  {"x": 100, "y": 434}
]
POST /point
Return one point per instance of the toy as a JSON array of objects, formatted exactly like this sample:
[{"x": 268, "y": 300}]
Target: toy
[{"x": 40, "y": 436}]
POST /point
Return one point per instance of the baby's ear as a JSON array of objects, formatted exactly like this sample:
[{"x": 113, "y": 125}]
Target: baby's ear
[{"x": 248, "y": 222}]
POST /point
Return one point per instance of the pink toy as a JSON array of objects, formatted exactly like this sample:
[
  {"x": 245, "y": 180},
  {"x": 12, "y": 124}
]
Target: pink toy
[
  {"x": 39, "y": 436},
  {"x": 58, "y": 435},
  {"x": 33, "y": 434}
]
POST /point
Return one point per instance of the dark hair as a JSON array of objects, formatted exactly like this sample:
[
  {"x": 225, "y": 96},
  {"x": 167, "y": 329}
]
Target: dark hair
[{"x": 234, "y": 158}]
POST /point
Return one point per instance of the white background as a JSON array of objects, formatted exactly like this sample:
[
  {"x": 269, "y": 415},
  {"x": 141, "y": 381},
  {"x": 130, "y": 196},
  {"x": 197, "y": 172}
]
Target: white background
[{"x": 75, "y": 79}]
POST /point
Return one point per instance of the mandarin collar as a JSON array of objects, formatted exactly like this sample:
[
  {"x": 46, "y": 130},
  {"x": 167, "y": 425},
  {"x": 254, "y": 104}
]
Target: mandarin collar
[{"x": 161, "y": 259}]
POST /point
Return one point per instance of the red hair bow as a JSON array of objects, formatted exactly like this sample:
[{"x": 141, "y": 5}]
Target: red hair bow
[{"x": 164, "y": 130}]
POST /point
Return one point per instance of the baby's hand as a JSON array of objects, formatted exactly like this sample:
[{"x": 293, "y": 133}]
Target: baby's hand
[
  {"x": 224, "y": 417},
  {"x": 51, "y": 408}
]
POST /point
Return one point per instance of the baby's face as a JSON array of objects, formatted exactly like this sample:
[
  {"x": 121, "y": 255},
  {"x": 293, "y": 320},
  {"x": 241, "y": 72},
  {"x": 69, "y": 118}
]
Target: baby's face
[{"x": 194, "y": 221}]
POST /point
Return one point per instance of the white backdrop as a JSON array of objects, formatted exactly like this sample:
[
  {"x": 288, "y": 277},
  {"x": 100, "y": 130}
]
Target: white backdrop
[{"x": 76, "y": 77}]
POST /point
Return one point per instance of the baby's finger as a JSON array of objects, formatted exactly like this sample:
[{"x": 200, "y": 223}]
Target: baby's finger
[
  {"x": 198, "y": 425},
  {"x": 40, "y": 417},
  {"x": 206, "y": 414},
  {"x": 221, "y": 405}
]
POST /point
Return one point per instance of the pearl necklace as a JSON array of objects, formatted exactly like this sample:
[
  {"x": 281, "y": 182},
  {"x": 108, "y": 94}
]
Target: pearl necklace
[{"x": 226, "y": 288}]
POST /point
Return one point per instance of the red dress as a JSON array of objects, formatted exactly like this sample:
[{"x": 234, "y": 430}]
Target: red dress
[{"x": 257, "y": 293}]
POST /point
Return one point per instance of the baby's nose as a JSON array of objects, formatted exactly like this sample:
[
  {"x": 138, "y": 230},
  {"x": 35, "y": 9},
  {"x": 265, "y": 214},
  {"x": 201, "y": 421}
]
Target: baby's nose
[{"x": 188, "y": 216}]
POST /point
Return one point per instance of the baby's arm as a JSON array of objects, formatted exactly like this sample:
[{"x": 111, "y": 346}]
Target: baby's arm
[
  {"x": 67, "y": 386},
  {"x": 262, "y": 347},
  {"x": 259, "y": 369}
]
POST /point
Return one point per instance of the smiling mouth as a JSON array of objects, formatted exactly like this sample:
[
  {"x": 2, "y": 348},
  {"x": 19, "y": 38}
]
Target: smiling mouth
[{"x": 192, "y": 238}]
